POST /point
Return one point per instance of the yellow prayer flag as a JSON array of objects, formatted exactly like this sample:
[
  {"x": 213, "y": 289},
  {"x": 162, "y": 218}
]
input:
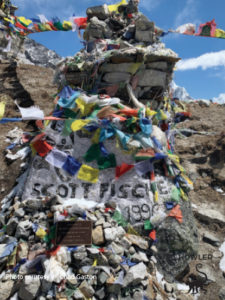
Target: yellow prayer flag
[
  {"x": 84, "y": 107},
  {"x": 150, "y": 113},
  {"x": 219, "y": 33},
  {"x": 163, "y": 115},
  {"x": 67, "y": 25},
  {"x": 88, "y": 174},
  {"x": 25, "y": 21},
  {"x": 95, "y": 263},
  {"x": 114, "y": 7},
  {"x": 41, "y": 233},
  {"x": 48, "y": 27},
  {"x": 156, "y": 196},
  {"x": 134, "y": 67},
  {"x": 183, "y": 195},
  {"x": 2, "y": 109},
  {"x": 79, "y": 124},
  {"x": 96, "y": 136}
]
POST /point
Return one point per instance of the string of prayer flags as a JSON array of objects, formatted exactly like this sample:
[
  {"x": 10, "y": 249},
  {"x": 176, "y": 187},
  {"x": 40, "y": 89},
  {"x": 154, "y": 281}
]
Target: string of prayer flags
[
  {"x": 87, "y": 173},
  {"x": 71, "y": 165},
  {"x": 42, "y": 147},
  {"x": 176, "y": 213},
  {"x": 121, "y": 170}
]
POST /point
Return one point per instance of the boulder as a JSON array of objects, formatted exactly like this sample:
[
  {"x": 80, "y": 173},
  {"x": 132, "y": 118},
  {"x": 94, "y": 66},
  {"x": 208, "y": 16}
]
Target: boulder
[
  {"x": 6, "y": 289},
  {"x": 30, "y": 288}
]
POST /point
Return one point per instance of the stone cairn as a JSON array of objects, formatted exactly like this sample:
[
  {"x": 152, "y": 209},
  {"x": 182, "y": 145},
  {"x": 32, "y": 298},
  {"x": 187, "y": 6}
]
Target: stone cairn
[
  {"x": 122, "y": 57},
  {"x": 122, "y": 49}
]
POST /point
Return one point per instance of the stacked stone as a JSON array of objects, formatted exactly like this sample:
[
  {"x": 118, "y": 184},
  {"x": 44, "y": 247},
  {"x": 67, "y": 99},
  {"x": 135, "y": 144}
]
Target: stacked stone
[
  {"x": 122, "y": 48},
  {"x": 121, "y": 265}
]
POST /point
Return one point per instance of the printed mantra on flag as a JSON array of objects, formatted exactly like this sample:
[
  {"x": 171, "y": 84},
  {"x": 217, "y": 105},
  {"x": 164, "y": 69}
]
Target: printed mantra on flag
[{"x": 131, "y": 192}]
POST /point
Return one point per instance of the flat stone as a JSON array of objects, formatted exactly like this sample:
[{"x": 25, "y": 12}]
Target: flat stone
[
  {"x": 101, "y": 12},
  {"x": 6, "y": 289},
  {"x": 98, "y": 236},
  {"x": 123, "y": 68},
  {"x": 11, "y": 226},
  {"x": 86, "y": 289},
  {"x": 135, "y": 274},
  {"x": 138, "y": 241},
  {"x": 112, "y": 233},
  {"x": 152, "y": 78},
  {"x": 22, "y": 251},
  {"x": 78, "y": 295},
  {"x": 100, "y": 293},
  {"x": 80, "y": 255},
  {"x": 117, "y": 248},
  {"x": 139, "y": 257},
  {"x": 23, "y": 229},
  {"x": 158, "y": 65},
  {"x": 102, "y": 278},
  {"x": 144, "y": 36},
  {"x": 19, "y": 213},
  {"x": 116, "y": 77},
  {"x": 115, "y": 260},
  {"x": 211, "y": 239},
  {"x": 29, "y": 288}
]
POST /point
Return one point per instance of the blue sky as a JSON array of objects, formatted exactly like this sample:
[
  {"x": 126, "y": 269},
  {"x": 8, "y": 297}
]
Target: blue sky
[{"x": 203, "y": 59}]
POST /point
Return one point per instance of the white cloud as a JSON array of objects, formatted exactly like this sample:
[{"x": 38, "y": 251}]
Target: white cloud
[
  {"x": 149, "y": 5},
  {"x": 205, "y": 61},
  {"x": 187, "y": 14},
  {"x": 220, "y": 99}
]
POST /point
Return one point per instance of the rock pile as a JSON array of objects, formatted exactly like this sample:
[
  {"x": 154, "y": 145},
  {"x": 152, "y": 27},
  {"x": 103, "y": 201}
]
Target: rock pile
[
  {"x": 120, "y": 264},
  {"x": 122, "y": 48}
]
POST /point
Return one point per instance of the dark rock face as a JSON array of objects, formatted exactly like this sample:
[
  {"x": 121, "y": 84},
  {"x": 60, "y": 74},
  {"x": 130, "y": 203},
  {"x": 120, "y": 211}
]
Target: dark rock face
[
  {"x": 39, "y": 55},
  {"x": 28, "y": 52}
]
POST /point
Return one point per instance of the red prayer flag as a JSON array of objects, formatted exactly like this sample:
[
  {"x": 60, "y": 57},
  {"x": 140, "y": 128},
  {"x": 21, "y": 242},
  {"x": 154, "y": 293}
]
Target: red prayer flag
[
  {"x": 152, "y": 235},
  {"x": 176, "y": 213},
  {"x": 124, "y": 168},
  {"x": 42, "y": 147}
]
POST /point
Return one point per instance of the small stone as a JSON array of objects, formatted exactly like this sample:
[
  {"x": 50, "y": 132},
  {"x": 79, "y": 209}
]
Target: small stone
[
  {"x": 19, "y": 213},
  {"x": 93, "y": 252},
  {"x": 22, "y": 251},
  {"x": 100, "y": 222},
  {"x": 11, "y": 226},
  {"x": 211, "y": 239},
  {"x": 78, "y": 295},
  {"x": 114, "y": 260},
  {"x": 86, "y": 289},
  {"x": 100, "y": 293},
  {"x": 23, "y": 229},
  {"x": 112, "y": 233},
  {"x": 91, "y": 216},
  {"x": 138, "y": 295},
  {"x": 106, "y": 225},
  {"x": 217, "y": 254},
  {"x": 138, "y": 241},
  {"x": 6, "y": 289},
  {"x": 80, "y": 255},
  {"x": 45, "y": 286},
  {"x": 132, "y": 250},
  {"x": 135, "y": 274},
  {"x": 117, "y": 248},
  {"x": 29, "y": 288},
  {"x": 98, "y": 236},
  {"x": 125, "y": 242},
  {"x": 139, "y": 257},
  {"x": 102, "y": 278}
]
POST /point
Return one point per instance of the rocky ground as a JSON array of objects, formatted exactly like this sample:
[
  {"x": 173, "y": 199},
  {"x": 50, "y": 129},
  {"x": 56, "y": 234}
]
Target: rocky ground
[{"x": 202, "y": 155}]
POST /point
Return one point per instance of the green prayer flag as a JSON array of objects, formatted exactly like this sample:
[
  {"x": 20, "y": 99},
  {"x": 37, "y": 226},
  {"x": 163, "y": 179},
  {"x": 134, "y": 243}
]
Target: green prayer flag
[
  {"x": 119, "y": 219},
  {"x": 107, "y": 162},
  {"x": 94, "y": 152},
  {"x": 67, "y": 128},
  {"x": 148, "y": 225},
  {"x": 175, "y": 195}
]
